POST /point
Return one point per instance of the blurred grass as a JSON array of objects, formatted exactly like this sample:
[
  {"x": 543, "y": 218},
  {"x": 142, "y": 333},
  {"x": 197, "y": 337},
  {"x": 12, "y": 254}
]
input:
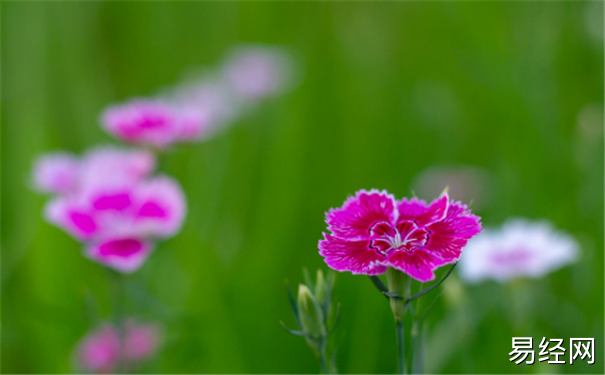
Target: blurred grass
[{"x": 388, "y": 89}]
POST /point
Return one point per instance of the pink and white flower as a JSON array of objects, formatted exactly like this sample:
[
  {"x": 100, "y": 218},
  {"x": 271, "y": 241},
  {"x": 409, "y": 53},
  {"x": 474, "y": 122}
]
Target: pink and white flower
[
  {"x": 119, "y": 218},
  {"x": 256, "y": 72},
  {"x": 155, "y": 122},
  {"x": 373, "y": 231},
  {"x": 99, "y": 351},
  {"x": 520, "y": 248},
  {"x": 63, "y": 173},
  {"x": 108, "y": 200},
  {"x": 56, "y": 173}
]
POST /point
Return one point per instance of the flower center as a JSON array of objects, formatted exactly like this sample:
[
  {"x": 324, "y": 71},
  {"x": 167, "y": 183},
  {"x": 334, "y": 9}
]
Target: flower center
[{"x": 405, "y": 236}]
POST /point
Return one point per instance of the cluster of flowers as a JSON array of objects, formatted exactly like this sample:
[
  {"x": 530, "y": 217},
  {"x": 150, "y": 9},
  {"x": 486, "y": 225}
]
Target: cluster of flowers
[
  {"x": 109, "y": 198},
  {"x": 100, "y": 350},
  {"x": 196, "y": 109}
]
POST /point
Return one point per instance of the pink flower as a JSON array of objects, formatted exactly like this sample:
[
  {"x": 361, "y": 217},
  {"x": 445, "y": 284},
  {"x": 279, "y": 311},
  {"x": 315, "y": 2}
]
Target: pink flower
[
  {"x": 155, "y": 122},
  {"x": 257, "y": 72},
  {"x": 56, "y": 173},
  {"x": 119, "y": 217},
  {"x": 520, "y": 248},
  {"x": 373, "y": 231},
  {"x": 99, "y": 351},
  {"x": 64, "y": 174}
]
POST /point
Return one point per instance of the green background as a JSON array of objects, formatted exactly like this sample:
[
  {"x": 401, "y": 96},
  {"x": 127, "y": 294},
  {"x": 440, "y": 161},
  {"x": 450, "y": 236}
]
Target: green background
[{"x": 386, "y": 90}]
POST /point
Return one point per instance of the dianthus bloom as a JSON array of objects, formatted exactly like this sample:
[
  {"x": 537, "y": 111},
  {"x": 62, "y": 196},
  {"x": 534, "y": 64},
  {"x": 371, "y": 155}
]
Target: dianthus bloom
[
  {"x": 372, "y": 231},
  {"x": 256, "y": 72},
  {"x": 63, "y": 173},
  {"x": 116, "y": 207},
  {"x": 155, "y": 122},
  {"x": 519, "y": 248},
  {"x": 99, "y": 351}
]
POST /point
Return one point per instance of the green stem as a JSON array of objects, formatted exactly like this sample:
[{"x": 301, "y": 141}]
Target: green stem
[
  {"x": 400, "y": 348},
  {"x": 414, "y": 345},
  {"x": 119, "y": 307},
  {"x": 322, "y": 357}
]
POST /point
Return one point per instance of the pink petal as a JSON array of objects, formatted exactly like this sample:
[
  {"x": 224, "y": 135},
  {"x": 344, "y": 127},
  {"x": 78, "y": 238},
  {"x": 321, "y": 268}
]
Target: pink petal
[
  {"x": 108, "y": 163},
  {"x": 257, "y": 72},
  {"x": 152, "y": 122},
  {"x": 356, "y": 218},
  {"x": 450, "y": 235},
  {"x": 141, "y": 341},
  {"x": 77, "y": 221},
  {"x": 410, "y": 209},
  {"x": 354, "y": 256},
  {"x": 123, "y": 254},
  {"x": 99, "y": 350},
  {"x": 56, "y": 173},
  {"x": 160, "y": 207},
  {"x": 418, "y": 264},
  {"x": 436, "y": 211}
]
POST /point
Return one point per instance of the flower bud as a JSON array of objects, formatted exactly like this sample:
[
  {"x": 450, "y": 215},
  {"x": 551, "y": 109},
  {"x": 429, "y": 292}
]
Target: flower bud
[
  {"x": 321, "y": 289},
  {"x": 311, "y": 315}
]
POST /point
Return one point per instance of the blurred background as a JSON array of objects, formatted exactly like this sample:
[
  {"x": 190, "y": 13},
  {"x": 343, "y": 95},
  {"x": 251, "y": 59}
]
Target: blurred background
[{"x": 387, "y": 94}]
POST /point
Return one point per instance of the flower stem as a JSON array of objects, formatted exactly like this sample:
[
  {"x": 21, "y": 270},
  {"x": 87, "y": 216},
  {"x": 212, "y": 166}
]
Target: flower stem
[
  {"x": 400, "y": 348},
  {"x": 322, "y": 356},
  {"x": 119, "y": 307}
]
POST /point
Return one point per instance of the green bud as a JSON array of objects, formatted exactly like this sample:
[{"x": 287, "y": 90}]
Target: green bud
[
  {"x": 398, "y": 283},
  {"x": 310, "y": 312},
  {"x": 320, "y": 287}
]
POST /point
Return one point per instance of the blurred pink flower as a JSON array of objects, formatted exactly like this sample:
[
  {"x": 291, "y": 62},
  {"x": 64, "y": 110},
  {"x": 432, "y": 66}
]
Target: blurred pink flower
[
  {"x": 112, "y": 203},
  {"x": 65, "y": 174},
  {"x": 519, "y": 248},
  {"x": 99, "y": 351},
  {"x": 155, "y": 122},
  {"x": 119, "y": 218},
  {"x": 373, "y": 231},
  {"x": 255, "y": 72},
  {"x": 56, "y": 173}
]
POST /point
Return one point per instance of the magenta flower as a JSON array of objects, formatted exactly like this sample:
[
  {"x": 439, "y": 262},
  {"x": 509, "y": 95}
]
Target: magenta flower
[
  {"x": 119, "y": 218},
  {"x": 372, "y": 231},
  {"x": 155, "y": 122},
  {"x": 99, "y": 351}
]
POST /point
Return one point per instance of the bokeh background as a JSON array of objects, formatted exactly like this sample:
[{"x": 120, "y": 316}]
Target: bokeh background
[{"x": 386, "y": 90}]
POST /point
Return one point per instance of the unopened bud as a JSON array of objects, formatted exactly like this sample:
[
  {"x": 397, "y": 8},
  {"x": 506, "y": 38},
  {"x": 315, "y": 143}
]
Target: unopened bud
[{"x": 309, "y": 310}]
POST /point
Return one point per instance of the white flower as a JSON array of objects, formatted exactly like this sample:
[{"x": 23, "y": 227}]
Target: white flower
[{"x": 519, "y": 248}]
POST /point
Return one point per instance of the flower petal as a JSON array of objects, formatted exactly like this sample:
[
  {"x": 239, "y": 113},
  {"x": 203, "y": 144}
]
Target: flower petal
[
  {"x": 419, "y": 264},
  {"x": 77, "y": 221},
  {"x": 449, "y": 236},
  {"x": 160, "y": 207},
  {"x": 436, "y": 211},
  {"x": 123, "y": 254},
  {"x": 153, "y": 122},
  {"x": 354, "y": 256},
  {"x": 56, "y": 173},
  {"x": 356, "y": 218},
  {"x": 410, "y": 209}
]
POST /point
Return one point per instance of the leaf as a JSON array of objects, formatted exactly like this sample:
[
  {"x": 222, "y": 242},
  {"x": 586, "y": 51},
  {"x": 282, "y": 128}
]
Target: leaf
[
  {"x": 297, "y": 333},
  {"x": 293, "y": 304}
]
